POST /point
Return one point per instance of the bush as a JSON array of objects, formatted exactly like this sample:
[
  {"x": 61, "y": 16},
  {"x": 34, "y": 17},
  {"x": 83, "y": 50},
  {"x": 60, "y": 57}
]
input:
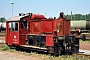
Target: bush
[{"x": 5, "y": 48}]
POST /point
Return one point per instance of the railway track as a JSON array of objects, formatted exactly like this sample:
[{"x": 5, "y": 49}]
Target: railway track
[{"x": 2, "y": 33}]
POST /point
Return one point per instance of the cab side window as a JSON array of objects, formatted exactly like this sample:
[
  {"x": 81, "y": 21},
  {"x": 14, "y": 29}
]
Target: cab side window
[{"x": 24, "y": 24}]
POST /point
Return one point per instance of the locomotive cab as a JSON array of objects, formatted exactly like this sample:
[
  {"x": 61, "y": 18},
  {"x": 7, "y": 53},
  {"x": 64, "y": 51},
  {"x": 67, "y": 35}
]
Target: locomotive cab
[
  {"x": 15, "y": 27},
  {"x": 12, "y": 31}
]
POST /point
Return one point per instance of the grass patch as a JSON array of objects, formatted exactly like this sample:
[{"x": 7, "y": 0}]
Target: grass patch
[
  {"x": 52, "y": 57},
  {"x": 5, "y": 48},
  {"x": 87, "y": 41}
]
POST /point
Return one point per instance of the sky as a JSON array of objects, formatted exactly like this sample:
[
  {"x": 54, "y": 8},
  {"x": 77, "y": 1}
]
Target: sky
[{"x": 49, "y": 8}]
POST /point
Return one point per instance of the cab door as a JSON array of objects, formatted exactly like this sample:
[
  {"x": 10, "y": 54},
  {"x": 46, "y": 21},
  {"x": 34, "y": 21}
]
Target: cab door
[
  {"x": 15, "y": 33},
  {"x": 8, "y": 33}
]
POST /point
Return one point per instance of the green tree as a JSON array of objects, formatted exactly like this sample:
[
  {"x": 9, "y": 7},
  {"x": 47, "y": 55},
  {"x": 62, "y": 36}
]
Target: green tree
[
  {"x": 2, "y": 19},
  {"x": 79, "y": 16}
]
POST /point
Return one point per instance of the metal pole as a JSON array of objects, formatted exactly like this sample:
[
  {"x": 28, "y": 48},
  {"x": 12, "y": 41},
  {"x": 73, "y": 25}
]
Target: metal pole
[
  {"x": 12, "y": 8},
  {"x": 71, "y": 15}
]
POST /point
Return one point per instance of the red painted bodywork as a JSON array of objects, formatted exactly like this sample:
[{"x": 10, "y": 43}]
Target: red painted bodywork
[
  {"x": 58, "y": 25},
  {"x": 23, "y": 32},
  {"x": 37, "y": 16},
  {"x": 49, "y": 40},
  {"x": 38, "y": 25},
  {"x": 47, "y": 26},
  {"x": 35, "y": 27},
  {"x": 16, "y": 37},
  {"x": 66, "y": 27},
  {"x": 11, "y": 36},
  {"x": 6, "y": 38},
  {"x": 41, "y": 26}
]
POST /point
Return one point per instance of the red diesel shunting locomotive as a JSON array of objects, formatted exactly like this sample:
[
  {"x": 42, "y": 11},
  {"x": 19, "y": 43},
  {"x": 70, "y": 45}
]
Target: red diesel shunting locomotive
[{"x": 36, "y": 32}]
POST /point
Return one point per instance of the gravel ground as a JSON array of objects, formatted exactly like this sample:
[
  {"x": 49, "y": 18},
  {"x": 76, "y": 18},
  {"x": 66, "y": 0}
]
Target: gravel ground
[
  {"x": 4, "y": 55},
  {"x": 87, "y": 52},
  {"x": 2, "y": 38},
  {"x": 84, "y": 46}
]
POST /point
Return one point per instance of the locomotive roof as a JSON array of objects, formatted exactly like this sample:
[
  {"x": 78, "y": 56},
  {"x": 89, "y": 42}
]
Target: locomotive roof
[{"x": 15, "y": 18}]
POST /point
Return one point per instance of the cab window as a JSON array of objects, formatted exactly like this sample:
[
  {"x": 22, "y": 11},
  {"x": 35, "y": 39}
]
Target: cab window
[
  {"x": 14, "y": 26},
  {"x": 24, "y": 24},
  {"x": 9, "y": 26}
]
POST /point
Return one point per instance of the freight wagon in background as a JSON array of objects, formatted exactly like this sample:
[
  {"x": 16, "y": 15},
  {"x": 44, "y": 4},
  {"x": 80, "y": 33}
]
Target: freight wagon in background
[
  {"x": 2, "y": 26},
  {"x": 83, "y": 26},
  {"x": 36, "y": 32}
]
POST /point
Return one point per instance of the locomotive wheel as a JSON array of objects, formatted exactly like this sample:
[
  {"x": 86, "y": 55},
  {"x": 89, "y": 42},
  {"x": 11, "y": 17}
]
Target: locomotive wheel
[
  {"x": 51, "y": 50},
  {"x": 37, "y": 43},
  {"x": 57, "y": 49},
  {"x": 11, "y": 47},
  {"x": 66, "y": 38},
  {"x": 59, "y": 52},
  {"x": 83, "y": 37},
  {"x": 75, "y": 46},
  {"x": 19, "y": 49},
  {"x": 42, "y": 44}
]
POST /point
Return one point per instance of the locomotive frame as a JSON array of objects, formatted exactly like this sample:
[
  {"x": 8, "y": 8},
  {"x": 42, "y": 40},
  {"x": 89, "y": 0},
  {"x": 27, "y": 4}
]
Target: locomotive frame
[{"x": 36, "y": 32}]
